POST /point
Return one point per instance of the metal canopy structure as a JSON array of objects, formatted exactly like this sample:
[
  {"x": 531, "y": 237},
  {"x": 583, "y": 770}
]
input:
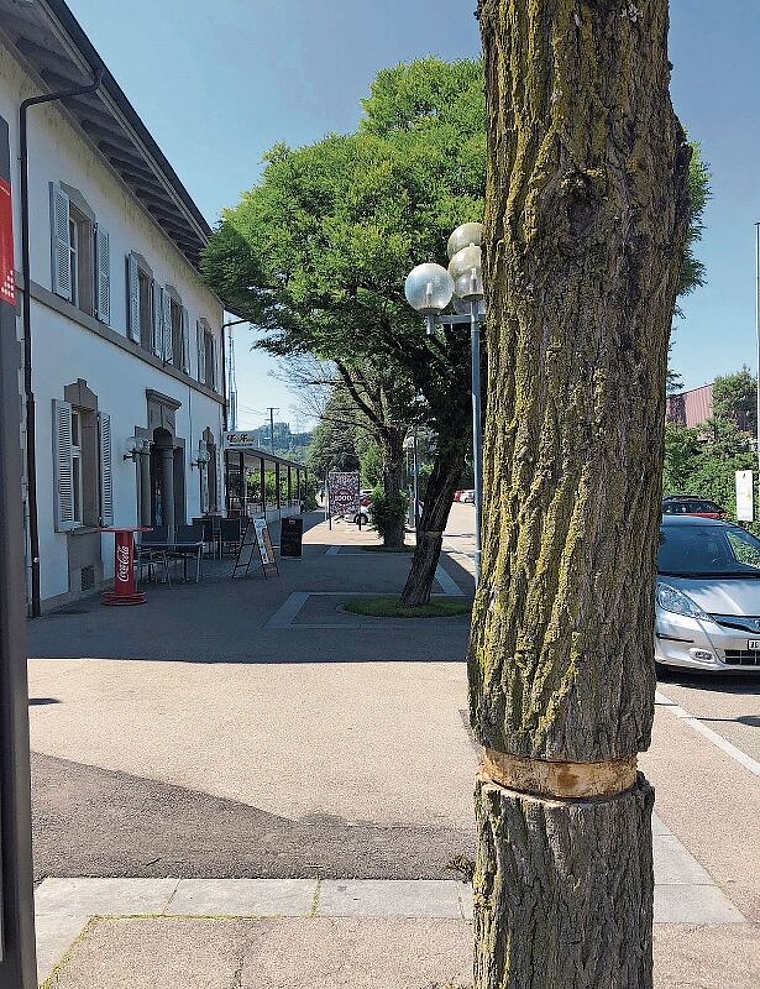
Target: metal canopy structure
[
  {"x": 53, "y": 47},
  {"x": 241, "y": 459}
]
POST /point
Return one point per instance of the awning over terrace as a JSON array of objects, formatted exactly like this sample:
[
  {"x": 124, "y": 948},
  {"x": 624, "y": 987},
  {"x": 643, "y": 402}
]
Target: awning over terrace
[{"x": 249, "y": 470}]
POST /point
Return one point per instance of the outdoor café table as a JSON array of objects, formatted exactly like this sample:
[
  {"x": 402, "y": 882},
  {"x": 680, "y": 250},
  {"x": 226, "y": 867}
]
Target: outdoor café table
[
  {"x": 185, "y": 550},
  {"x": 124, "y": 566}
]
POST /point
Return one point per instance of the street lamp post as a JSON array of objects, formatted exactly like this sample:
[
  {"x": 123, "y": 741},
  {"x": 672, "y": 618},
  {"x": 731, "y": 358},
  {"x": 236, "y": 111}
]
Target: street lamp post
[
  {"x": 429, "y": 289},
  {"x": 757, "y": 335}
]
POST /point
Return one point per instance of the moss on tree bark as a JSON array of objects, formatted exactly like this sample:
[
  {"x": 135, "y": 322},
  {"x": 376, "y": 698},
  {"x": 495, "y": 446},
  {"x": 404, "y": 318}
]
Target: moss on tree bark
[{"x": 585, "y": 221}]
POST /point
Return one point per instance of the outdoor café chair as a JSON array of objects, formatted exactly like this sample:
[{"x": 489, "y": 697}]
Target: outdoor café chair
[
  {"x": 188, "y": 541},
  {"x": 148, "y": 557}
]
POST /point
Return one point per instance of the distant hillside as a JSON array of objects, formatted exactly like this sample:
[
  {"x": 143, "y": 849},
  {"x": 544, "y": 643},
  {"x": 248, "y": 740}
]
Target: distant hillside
[{"x": 292, "y": 446}]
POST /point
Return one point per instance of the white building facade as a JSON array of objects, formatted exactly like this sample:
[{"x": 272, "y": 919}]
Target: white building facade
[{"x": 126, "y": 348}]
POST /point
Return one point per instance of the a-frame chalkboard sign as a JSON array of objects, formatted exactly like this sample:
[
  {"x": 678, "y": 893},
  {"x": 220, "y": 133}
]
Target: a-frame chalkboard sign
[{"x": 256, "y": 542}]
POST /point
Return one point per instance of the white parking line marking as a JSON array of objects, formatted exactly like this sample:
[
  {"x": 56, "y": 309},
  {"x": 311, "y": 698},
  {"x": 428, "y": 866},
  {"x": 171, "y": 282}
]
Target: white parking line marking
[
  {"x": 712, "y": 736},
  {"x": 447, "y": 583},
  {"x": 286, "y": 613}
]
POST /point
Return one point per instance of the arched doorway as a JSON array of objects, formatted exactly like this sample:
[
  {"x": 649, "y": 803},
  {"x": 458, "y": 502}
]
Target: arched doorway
[{"x": 167, "y": 481}]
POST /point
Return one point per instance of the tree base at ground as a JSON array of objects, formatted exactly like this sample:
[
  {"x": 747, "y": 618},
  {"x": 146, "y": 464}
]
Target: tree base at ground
[{"x": 563, "y": 890}]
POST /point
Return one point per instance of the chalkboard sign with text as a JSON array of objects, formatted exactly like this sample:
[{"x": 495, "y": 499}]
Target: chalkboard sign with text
[{"x": 291, "y": 537}]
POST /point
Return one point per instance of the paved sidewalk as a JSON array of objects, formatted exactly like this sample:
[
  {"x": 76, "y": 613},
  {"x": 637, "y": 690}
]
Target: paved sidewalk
[
  {"x": 251, "y": 797},
  {"x": 66, "y": 909}
]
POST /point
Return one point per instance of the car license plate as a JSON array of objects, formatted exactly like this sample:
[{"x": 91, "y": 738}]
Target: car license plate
[{"x": 753, "y": 644}]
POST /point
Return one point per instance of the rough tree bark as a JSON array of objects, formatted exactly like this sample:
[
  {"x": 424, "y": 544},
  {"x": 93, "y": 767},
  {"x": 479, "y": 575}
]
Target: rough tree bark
[
  {"x": 441, "y": 486},
  {"x": 585, "y": 219},
  {"x": 392, "y": 451}
]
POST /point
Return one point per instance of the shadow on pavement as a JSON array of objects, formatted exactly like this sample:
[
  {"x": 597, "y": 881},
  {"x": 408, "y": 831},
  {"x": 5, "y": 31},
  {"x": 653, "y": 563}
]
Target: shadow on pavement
[
  {"x": 96, "y": 822},
  {"x": 221, "y": 620}
]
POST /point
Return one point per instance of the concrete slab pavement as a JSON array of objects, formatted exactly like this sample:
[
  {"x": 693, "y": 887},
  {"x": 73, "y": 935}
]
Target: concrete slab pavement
[{"x": 70, "y": 927}]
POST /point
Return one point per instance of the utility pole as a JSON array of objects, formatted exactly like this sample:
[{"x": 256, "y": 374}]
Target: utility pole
[
  {"x": 271, "y": 412},
  {"x": 18, "y": 968}
]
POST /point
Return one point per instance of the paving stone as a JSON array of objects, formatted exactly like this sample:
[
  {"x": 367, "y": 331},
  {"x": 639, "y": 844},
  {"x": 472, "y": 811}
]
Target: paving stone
[
  {"x": 90, "y": 897},
  {"x": 55, "y": 934},
  {"x": 676, "y": 903},
  {"x": 673, "y": 863},
  {"x": 243, "y": 898},
  {"x": 389, "y": 898}
]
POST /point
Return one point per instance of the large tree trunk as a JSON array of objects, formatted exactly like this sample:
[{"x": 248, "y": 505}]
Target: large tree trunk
[
  {"x": 392, "y": 450},
  {"x": 441, "y": 485},
  {"x": 585, "y": 219}
]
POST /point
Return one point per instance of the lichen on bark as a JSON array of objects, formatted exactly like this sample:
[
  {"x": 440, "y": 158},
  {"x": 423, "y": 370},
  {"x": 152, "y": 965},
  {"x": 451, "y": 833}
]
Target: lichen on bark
[{"x": 586, "y": 214}]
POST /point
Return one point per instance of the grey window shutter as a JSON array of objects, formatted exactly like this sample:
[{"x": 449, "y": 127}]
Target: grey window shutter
[
  {"x": 168, "y": 348},
  {"x": 185, "y": 341},
  {"x": 158, "y": 320},
  {"x": 133, "y": 290},
  {"x": 102, "y": 275},
  {"x": 200, "y": 340},
  {"x": 60, "y": 242},
  {"x": 106, "y": 471},
  {"x": 63, "y": 471},
  {"x": 214, "y": 379}
]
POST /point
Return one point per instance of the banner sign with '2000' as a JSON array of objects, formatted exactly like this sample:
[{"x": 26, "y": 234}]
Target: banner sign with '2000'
[{"x": 343, "y": 492}]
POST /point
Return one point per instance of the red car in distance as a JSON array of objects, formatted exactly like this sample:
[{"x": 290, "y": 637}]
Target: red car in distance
[{"x": 691, "y": 505}]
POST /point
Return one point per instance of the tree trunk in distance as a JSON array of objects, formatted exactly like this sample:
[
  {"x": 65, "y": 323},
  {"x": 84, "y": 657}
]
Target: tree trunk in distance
[
  {"x": 586, "y": 212},
  {"x": 440, "y": 490},
  {"x": 392, "y": 447}
]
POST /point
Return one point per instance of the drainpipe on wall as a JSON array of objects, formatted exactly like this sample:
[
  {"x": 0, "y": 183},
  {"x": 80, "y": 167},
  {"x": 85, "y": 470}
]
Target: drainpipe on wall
[{"x": 31, "y": 463}]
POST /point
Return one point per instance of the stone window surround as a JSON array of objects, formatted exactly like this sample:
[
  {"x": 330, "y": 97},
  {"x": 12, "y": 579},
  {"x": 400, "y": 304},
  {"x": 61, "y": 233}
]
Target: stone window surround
[{"x": 51, "y": 301}]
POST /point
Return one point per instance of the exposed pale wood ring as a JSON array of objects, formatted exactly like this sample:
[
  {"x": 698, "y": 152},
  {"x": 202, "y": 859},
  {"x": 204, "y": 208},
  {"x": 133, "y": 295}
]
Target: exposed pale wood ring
[{"x": 560, "y": 780}]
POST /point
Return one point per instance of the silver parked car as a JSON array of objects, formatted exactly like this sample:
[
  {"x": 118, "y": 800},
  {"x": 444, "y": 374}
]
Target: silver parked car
[{"x": 708, "y": 595}]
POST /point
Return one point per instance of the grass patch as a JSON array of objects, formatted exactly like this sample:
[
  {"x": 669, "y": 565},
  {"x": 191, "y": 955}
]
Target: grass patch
[
  {"x": 388, "y": 549},
  {"x": 390, "y": 608}
]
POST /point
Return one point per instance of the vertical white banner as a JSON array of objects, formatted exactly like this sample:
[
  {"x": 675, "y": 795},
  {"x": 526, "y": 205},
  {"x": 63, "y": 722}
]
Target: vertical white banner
[{"x": 745, "y": 501}]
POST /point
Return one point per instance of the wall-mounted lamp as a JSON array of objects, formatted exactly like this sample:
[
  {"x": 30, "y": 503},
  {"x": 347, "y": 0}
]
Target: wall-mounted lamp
[
  {"x": 135, "y": 446},
  {"x": 202, "y": 458}
]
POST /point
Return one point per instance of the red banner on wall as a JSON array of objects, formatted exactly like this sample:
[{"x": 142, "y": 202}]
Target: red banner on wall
[{"x": 7, "y": 269}]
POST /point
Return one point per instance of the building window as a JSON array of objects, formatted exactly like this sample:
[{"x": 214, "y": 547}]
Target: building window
[
  {"x": 145, "y": 303},
  {"x": 82, "y": 260},
  {"x": 76, "y": 465},
  {"x": 82, "y": 486},
  {"x": 80, "y": 254},
  {"x": 178, "y": 340},
  {"x": 210, "y": 361}
]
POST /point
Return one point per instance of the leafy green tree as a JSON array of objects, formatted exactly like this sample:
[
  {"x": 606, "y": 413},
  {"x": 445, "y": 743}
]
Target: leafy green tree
[
  {"x": 692, "y": 273},
  {"x": 703, "y": 461},
  {"x": 317, "y": 253},
  {"x": 683, "y": 451},
  {"x": 735, "y": 399},
  {"x": 333, "y": 442}
]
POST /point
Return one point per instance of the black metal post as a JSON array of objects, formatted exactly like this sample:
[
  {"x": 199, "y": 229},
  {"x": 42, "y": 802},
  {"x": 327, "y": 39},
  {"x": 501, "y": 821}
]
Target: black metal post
[
  {"x": 18, "y": 966},
  {"x": 290, "y": 487},
  {"x": 277, "y": 484},
  {"x": 263, "y": 476}
]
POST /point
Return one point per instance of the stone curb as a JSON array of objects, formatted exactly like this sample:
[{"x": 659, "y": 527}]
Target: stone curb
[{"x": 65, "y": 906}]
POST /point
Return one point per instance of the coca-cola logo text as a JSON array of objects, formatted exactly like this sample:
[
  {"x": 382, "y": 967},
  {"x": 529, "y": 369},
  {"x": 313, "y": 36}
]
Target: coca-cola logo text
[{"x": 123, "y": 564}]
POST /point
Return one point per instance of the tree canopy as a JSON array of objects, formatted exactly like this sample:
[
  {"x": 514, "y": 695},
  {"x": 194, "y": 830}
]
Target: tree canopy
[{"x": 316, "y": 254}]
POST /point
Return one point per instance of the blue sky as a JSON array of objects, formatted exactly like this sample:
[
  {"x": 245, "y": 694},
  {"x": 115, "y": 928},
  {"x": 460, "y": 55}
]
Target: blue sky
[{"x": 218, "y": 84}]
